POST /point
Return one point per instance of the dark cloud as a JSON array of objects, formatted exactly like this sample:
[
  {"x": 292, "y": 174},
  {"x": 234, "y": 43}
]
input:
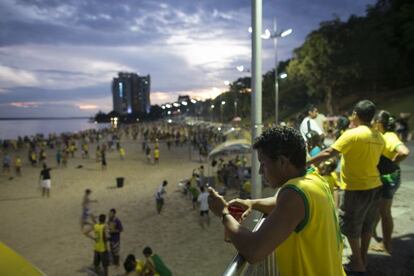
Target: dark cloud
[
  {"x": 146, "y": 36},
  {"x": 36, "y": 94}
]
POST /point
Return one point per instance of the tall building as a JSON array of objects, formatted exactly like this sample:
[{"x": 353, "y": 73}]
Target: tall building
[{"x": 131, "y": 93}]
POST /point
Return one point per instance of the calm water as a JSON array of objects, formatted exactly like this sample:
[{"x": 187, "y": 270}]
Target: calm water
[{"x": 10, "y": 129}]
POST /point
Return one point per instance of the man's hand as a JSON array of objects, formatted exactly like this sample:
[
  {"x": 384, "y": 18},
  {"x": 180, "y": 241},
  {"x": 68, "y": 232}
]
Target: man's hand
[
  {"x": 87, "y": 233},
  {"x": 216, "y": 203},
  {"x": 244, "y": 204}
]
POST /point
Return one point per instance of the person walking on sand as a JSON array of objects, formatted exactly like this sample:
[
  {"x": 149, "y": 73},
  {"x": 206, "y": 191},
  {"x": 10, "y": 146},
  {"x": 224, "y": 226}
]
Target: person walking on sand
[
  {"x": 58, "y": 157},
  {"x": 103, "y": 159},
  {"x": 193, "y": 192},
  {"x": 18, "y": 165},
  {"x": 6, "y": 164},
  {"x": 148, "y": 154},
  {"x": 33, "y": 157},
  {"x": 98, "y": 154},
  {"x": 159, "y": 199},
  {"x": 203, "y": 200},
  {"x": 65, "y": 157},
  {"x": 115, "y": 229},
  {"x": 201, "y": 175},
  {"x": 86, "y": 209},
  {"x": 156, "y": 154},
  {"x": 45, "y": 180},
  {"x": 101, "y": 244},
  {"x": 121, "y": 153}
]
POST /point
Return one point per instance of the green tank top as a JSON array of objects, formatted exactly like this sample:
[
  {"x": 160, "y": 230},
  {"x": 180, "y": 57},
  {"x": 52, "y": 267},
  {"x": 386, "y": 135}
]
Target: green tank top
[{"x": 160, "y": 267}]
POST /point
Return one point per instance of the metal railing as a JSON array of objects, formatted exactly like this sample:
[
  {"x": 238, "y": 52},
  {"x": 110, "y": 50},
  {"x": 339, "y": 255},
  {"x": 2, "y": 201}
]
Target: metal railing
[{"x": 240, "y": 267}]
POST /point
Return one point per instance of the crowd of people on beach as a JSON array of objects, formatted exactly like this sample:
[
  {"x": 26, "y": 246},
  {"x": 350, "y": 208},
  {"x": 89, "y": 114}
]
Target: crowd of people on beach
[
  {"x": 52, "y": 152},
  {"x": 196, "y": 187}
]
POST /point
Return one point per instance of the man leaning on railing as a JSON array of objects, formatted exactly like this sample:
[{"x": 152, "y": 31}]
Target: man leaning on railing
[{"x": 301, "y": 224}]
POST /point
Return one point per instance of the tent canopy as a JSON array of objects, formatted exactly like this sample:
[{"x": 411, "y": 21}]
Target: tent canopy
[
  {"x": 237, "y": 133},
  {"x": 239, "y": 146}
]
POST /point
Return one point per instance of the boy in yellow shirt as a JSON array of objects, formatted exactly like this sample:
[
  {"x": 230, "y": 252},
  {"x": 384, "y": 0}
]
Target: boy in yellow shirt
[{"x": 18, "y": 165}]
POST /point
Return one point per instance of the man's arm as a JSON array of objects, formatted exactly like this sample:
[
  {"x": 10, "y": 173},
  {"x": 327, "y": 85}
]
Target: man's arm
[
  {"x": 105, "y": 235},
  {"x": 322, "y": 156},
  {"x": 87, "y": 233},
  {"x": 117, "y": 227},
  {"x": 149, "y": 265},
  {"x": 264, "y": 205},
  {"x": 288, "y": 212},
  {"x": 402, "y": 153}
]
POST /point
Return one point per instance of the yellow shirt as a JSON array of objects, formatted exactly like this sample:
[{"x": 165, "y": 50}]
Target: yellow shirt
[
  {"x": 391, "y": 143},
  {"x": 361, "y": 148},
  {"x": 18, "y": 162},
  {"x": 247, "y": 186},
  {"x": 315, "y": 247},
  {"x": 100, "y": 241},
  {"x": 332, "y": 181},
  {"x": 140, "y": 266},
  {"x": 156, "y": 153}
]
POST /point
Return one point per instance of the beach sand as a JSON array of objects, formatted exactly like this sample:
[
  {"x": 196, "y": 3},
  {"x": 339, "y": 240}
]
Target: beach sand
[{"x": 47, "y": 231}]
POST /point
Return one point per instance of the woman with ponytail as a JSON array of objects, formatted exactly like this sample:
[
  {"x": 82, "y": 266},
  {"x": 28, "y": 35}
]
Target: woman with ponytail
[{"x": 395, "y": 151}]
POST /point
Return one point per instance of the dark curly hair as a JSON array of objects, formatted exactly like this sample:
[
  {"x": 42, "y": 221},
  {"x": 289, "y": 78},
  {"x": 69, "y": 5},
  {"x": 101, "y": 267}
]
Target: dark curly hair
[{"x": 285, "y": 141}]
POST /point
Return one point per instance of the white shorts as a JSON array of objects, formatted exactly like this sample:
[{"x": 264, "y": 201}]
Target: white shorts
[{"x": 46, "y": 183}]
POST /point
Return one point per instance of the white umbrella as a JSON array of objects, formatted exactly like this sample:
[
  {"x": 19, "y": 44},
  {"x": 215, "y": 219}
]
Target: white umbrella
[{"x": 239, "y": 146}]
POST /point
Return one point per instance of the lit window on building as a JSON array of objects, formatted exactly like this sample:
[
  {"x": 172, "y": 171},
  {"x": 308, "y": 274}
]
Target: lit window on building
[{"x": 121, "y": 90}]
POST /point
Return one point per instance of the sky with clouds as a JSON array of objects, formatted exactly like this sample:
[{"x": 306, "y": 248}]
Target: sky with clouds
[{"x": 58, "y": 58}]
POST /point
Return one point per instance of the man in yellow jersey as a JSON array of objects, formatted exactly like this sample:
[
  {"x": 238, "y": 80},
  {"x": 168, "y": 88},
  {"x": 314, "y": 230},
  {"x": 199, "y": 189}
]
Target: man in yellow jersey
[
  {"x": 301, "y": 224},
  {"x": 361, "y": 148},
  {"x": 101, "y": 247}
]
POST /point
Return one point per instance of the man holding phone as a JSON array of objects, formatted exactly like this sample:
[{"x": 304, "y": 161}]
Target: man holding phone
[{"x": 301, "y": 224}]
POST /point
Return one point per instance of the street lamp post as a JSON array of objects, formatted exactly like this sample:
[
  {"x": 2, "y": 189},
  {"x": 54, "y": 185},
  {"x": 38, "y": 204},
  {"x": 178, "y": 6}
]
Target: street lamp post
[
  {"x": 276, "y": 81},
  {"x": 235, "y": 106},
  {"x": 211, "y": 112},
  {"x": 275, "y": 36},
  {"x": 221, "y": 110}
]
